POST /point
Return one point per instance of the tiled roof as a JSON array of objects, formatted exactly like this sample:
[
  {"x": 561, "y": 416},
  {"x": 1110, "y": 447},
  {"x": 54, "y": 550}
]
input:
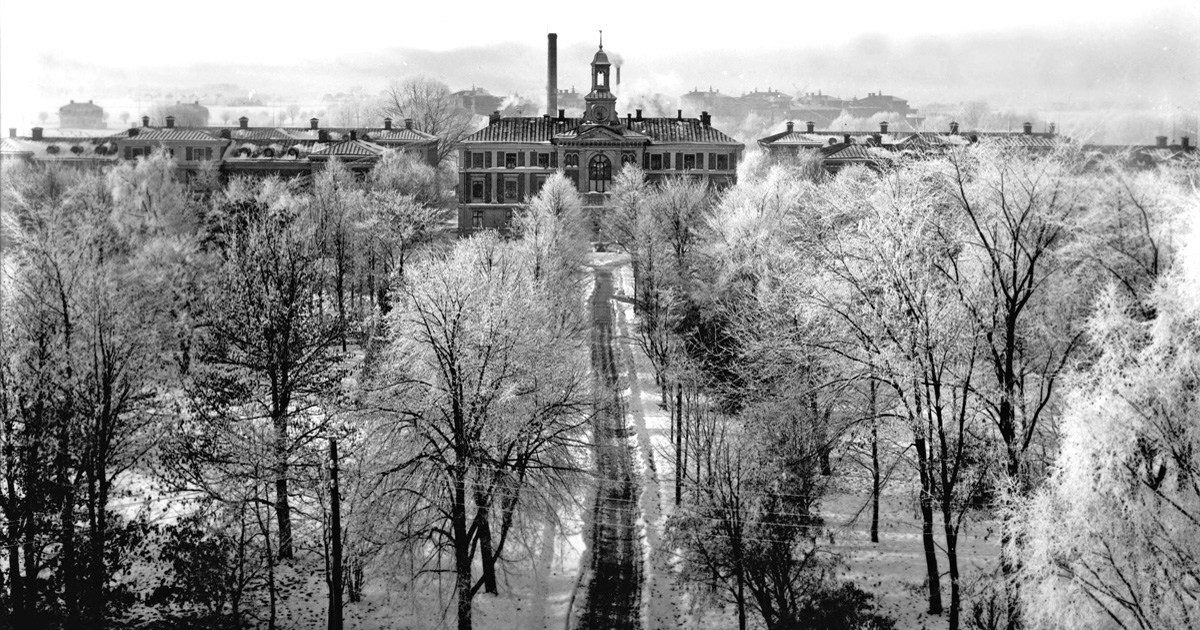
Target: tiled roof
[
  {"x": 175, "y": 135},
  {"x": 402, "y": 135},
  {"x": 10, "y": 146},
  {"x": 257, "y": 150},
  {"x": 527, "y": 129},
  {"x": 258, "y": 133},
  {"x": 852, "y": 152},
  {"x": 543, "y": 129},
  {"x": 62, "y": 149},
  {"x": 349, "y": 148}
]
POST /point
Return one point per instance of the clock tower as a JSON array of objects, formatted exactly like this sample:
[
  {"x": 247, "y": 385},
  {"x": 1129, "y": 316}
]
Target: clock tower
[{"x": 601, "y": 103}]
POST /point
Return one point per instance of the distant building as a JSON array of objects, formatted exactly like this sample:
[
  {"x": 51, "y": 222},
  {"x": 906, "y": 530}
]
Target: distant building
[
  {"x": 838, "y": 149},
  {"x": 282, "y": 151},
  {"x": 81, "y": 116},
  {"x": 504, "y": 164},
  {"x": 478, "y": 101},
  {"x": 823, "y": 108}
]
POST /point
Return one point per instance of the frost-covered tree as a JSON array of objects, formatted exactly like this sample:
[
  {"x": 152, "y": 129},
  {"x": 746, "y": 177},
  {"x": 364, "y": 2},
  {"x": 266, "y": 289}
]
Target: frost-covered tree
[{"x": 1113, "y": 538}]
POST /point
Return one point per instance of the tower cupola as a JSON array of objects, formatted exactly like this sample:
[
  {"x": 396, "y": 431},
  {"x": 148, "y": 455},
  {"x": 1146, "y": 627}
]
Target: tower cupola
[{"x": 601, "y": 102}]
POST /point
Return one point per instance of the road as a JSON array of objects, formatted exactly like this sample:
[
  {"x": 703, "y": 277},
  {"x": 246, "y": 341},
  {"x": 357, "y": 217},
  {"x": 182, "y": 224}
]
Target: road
[{"x": 614, "y": 594}]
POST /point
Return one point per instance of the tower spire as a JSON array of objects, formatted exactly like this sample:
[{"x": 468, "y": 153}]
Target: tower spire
[{"x": 601, "y": 39}]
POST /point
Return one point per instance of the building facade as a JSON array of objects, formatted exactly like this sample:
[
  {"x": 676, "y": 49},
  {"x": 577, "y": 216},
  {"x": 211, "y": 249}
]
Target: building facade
[
  {"x": 81, "y": 116},
  {"x": 506, "y": 163}
]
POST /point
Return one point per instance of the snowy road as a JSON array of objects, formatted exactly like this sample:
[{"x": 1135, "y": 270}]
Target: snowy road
[{"x": 614, "y": 594}]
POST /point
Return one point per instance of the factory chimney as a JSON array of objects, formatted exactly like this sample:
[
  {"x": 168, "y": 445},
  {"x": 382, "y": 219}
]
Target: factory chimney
[{"x": 551, "y": 73}]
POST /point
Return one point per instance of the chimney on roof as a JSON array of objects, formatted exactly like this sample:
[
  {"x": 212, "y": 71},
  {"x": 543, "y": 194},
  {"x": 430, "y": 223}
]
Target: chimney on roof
[
  {"x": 1162, "y": 142},
  {"x": 225, "y": 135},
  {"x": 1028, "y": 128},
  {"x": 618, "y": 74},
  {"x": 243, "y": 122},
  {"x": 679, "y": 115},
  {"x": 37, "y": 133},
  {"x": 170, "y": 122},
  {"x": 551, "y": 72},
  {"x": 811, "y": 125},
  {"x": 704, "y": 119},
  {"x": 322, "y": 135},
  {"x": 628, "y": 119},
  {"x": 353, "y": 135},
  {"x": 1052, "y": 128},
  {"x": 953, "y": 128},
  {"x": 1186, "y": 142},
  {"x": 313, "y": 123},
  {"x": 846, "y": 138},
  {"x": 12, "y": 132},
  {"x": 387, "y": 124},
  {"x": 883, "y": 127},
  {"x": 562, "y": 115},
  {"x": 494, "y": 118},
  {"x": 789, "y": 126},
  {"x": 408, "y": 123},
  {"x": 639, "y": 115},
  {"x": 145, "y": 121}
]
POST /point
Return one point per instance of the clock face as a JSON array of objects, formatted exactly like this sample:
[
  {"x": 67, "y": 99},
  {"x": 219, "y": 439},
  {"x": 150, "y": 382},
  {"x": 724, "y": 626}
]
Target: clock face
[{"x": 600, "y": 112}]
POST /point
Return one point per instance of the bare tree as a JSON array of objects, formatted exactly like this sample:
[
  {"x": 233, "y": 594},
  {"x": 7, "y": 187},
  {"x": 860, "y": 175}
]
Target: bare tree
[{"x": 433, "y": 109}]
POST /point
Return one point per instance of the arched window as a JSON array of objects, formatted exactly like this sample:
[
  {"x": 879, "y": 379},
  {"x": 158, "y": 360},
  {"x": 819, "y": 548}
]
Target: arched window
[
  {"x": 599, "y": 174},
  {"x": 571, "y": 160}
]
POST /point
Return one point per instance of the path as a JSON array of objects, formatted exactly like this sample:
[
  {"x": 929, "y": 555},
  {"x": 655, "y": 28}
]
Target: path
[{"x": 614, "y": 594}]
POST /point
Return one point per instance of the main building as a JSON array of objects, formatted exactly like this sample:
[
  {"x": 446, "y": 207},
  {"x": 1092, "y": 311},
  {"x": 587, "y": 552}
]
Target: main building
[{"x": 505, "y": 163}]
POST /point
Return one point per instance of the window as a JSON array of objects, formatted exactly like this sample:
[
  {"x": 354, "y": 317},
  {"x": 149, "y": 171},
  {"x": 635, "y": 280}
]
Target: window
[
  {"x": 538, "y": 182},
  {"x": 478, "y": 188},
  {"x": 510, "y": 160},
  {"x": 599, "y": 173},
  {"x": 628, "y": 158},
  {"x": 477, "y": 219},
  {"x": 722, "y": 162},
  {"x": 656, "y": 162},
  {"x": 187, "y": 153},
  {"x": 510, "y": 189},
  {"x": 599, "y": 78},
  {"x": 508, "y": 218},
  {"x": 543, "y": 160},
  {"x": 476, "y": 160},
  {"x": 571, "y": 160},
  {"x": 689, "y": 161}
]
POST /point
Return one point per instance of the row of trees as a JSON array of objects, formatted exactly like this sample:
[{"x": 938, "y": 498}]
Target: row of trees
[{"x": 946, "y": 301}]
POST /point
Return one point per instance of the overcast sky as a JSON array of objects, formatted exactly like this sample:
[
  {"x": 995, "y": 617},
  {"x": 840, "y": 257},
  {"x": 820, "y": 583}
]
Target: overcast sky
[{"x": 156, "y": 33}]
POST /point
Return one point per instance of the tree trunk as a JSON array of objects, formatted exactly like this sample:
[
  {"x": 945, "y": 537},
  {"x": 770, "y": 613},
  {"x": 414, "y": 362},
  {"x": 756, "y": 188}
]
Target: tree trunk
[
  {"x": 335, "y": 520},
  {"x": 13, "y": 520},
  {"x": 66, "y": 489},
  {"x": 678, "y": 442},
  {"x": 931, "y": 570},
  {"x": 462, "y": 557},
  {"x": 282, "y": 511},
  {"x": 487, "y": 554}
]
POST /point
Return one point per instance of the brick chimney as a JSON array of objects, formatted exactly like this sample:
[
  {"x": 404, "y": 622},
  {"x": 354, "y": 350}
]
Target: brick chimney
[
  {"x": 1186, "y": 143},
  {"x": 313, "y": 123},
  {"x": 244, "y": 122},
  {"x": 1162, "y": 142},
  {"x": 170, "y": 122},
  {"x": 846, "y": 138},
  {"x": 1028, "y": 128},
  {"x": 883, "y": 127},
  {"x": 145, "y": 121},
  {"x": 953, "y": 128},
  {"x": 408, "y": 123},
  {"x": 12, "y": 132},
  {"x": 789, "y": 126},
  {"x": 704, "y": 119},
  {"x": 639, "y": 115},
  {"x": 562, "y": 114},
  {"x": 811, "y": 125},
  {"x": 353, "y": 135},
  {"x": 37, "y": 133},
  {"x": 387, "y": 124},
  {"x": 551, "y": 72}
]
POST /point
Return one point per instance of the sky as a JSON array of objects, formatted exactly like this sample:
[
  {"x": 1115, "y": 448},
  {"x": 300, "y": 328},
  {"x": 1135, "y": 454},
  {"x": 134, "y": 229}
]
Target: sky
[
  {"x": 1037, "y": 51},
  {"x": 270, "y": 31}
]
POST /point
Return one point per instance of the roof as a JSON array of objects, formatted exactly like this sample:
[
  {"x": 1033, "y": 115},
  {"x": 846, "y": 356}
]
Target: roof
[
  {"x": 545, "y": 129},
  {"x": 349, "y": 148},
  {"x": 402, "y": 134},
  {"x": 158, "y": 134},
  {"x": 81, "y": 108},
  {"x": 61, "y": 149}
]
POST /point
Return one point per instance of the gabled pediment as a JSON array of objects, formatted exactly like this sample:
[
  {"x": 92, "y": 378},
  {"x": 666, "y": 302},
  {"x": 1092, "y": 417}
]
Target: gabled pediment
[{"x": 590, "y": 134}]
